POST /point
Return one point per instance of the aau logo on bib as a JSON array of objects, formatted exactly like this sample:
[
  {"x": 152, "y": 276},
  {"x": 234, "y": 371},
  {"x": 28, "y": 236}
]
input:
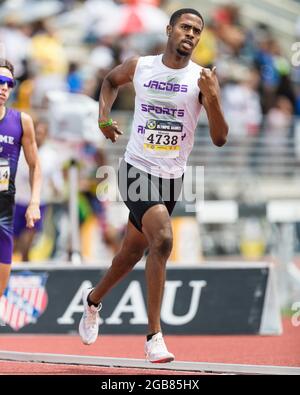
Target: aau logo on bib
[
  {"x": 151, "y": 124},
  {"x": 24, "y": 300}
]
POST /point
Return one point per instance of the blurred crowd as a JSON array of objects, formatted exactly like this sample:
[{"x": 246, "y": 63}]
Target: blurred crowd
[
  {"x": 70, "y": 46},
  {"x": 75, "y": 49},
  {"x": 260, "y": 87}
]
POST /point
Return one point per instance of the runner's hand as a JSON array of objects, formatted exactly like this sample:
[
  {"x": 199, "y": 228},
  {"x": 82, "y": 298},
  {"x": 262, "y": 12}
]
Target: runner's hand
[
  {"x": 32, "y": 215},
  {"x": 112, "y": 132},
  {"x": 208, "y": 83}
]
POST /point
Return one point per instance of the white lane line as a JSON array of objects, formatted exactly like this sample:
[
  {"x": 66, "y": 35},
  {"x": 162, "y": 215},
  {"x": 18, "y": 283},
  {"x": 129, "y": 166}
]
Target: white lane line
[{"x": 140, "y": 363}]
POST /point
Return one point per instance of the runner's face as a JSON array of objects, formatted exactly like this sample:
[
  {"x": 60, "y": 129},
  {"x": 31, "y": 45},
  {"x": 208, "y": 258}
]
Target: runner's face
[
  {"x": 185, "y": 34},
  {"x": 4, "y": 89}
]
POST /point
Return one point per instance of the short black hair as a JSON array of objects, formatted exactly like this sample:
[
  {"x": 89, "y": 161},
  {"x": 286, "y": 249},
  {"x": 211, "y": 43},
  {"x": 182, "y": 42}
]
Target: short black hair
[
  {"x": 177, "y": 14},
  {"x": 7, "y": 65}
]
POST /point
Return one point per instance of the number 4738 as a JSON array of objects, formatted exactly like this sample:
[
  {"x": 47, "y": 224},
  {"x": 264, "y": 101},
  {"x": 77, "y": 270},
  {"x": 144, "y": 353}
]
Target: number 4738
[{"x": 159, "y": 139}]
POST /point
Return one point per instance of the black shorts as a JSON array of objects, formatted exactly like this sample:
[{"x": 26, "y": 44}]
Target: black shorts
[{"x": 140, "y": 191}]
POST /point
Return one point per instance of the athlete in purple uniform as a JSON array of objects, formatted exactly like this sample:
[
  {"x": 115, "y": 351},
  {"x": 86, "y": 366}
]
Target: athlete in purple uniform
[{"x": 16, "y": 131}]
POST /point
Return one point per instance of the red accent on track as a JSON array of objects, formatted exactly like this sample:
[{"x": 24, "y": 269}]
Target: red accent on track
[{"x": 166, "y": 360}]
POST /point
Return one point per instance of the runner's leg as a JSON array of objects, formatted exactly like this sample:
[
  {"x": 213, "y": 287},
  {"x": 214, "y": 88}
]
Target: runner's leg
[
  {"x": 131, "y": 252},
  {"x": 4, "y": 276},
  {"x": 6, "y": 248},
  {"x": 158, "y": 231}
]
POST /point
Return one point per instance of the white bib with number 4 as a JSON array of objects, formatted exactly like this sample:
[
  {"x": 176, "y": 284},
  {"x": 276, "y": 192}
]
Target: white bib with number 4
[
  {"x": 162, "y": 139},
  {"x": 4, "y": 175}
]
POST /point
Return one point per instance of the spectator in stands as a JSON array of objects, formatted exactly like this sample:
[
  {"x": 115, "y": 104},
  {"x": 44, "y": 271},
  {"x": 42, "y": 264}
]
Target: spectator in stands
[
  {"x": 279, "y": 121},
  {"x": 228, "y": 30},
  {"x": 49, "y": 58},
  {"x": 14, "y": 43},
  {"x": 74, "y": 78},
  {"x": 23, "y": 99},
  {"x": 275, "y": 73},
  {"x": 241, "y": 105}
]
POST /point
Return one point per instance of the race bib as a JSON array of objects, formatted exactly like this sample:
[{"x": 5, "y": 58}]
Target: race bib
[
  {"x": 162, "y": 139},
  {"x": 4, "y": 175}
]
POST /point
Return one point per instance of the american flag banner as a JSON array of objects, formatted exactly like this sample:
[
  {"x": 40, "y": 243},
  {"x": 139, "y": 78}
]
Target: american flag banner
[{"x": 24, "y": 300}]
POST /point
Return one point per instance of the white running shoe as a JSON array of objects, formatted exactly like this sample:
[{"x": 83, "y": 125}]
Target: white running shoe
[
  {"x": 89, "y": 323},
  {"x": 156, "y": 350}
]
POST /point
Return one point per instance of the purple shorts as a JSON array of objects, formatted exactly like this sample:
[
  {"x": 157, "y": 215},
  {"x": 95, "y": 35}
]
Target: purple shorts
[
  {"x": 6, "y": 229},
  {"x": 20, "y": 221}
]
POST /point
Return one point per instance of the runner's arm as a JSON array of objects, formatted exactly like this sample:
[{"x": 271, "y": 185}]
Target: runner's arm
[
  {"x": 120, "y": 75},
  {"x": 217, "y": 124},
  {"x": 32, "y": 158},
  {"x": 210, "y": 98}
]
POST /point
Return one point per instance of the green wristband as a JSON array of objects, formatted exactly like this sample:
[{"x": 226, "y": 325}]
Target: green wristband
[{"x": 105, "y": 124}]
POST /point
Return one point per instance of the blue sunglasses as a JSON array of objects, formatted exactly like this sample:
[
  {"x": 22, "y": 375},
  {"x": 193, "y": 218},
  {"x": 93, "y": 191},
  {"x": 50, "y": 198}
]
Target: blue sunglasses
[{"x": 6, "y": 80}]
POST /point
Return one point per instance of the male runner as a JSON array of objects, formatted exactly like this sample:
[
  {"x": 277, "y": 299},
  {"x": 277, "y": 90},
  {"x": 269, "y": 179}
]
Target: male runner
[
  {"x": 16, "y": 131},
  {"x": 170, "y": 90}
]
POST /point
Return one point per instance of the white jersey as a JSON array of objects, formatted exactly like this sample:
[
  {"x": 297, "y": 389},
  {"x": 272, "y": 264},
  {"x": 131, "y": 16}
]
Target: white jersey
[{"x": 167, "y": 111}]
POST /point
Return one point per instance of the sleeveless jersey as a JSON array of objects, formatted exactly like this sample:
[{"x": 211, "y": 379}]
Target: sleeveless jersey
[
  {"x": 11, "y": 133},
  {"x": 166, "y": 114}
]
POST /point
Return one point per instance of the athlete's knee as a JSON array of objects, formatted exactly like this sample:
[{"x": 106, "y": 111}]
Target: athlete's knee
[
  {"x": 134, "y": 256},
  {"x": 162, "y": 243},
  {"x": 4, "y": 277},
  {"x": 128, "y": 257},
  {"x": 2, "y": 287}
]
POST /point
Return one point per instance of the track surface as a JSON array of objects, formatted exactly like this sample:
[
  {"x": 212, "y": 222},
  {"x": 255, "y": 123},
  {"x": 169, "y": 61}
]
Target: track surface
[{"x": 253, "y": 350}]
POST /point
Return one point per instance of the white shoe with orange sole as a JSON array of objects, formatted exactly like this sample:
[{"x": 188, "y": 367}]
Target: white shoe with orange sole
[
  {"x": 89, "y": 323},
  {"x": 156, "y": 350}
]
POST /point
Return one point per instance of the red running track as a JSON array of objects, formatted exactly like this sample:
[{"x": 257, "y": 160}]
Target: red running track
[{"x": 254, "y": 350}]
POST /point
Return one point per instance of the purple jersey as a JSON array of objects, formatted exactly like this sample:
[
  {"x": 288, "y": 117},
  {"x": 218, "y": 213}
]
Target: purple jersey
[{"x": 11, "y": 133}]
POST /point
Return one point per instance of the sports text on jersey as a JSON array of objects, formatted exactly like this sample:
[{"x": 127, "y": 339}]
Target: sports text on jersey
[
  {"x": 162, "y": 110},
  {"x": 166, "y": 86}
]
